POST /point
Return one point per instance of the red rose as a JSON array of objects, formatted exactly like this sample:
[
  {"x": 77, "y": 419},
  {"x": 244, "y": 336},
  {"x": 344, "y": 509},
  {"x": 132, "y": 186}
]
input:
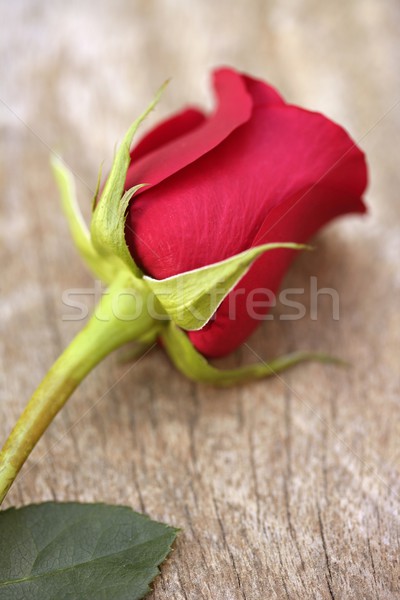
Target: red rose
[
  {"x": 220, "y": 188},
  {"x": 256, "y": 171}
]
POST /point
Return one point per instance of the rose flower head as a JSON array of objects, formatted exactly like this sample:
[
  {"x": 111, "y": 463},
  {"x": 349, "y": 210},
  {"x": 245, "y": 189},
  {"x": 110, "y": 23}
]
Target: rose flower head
[{"x": 255, "y": 171}]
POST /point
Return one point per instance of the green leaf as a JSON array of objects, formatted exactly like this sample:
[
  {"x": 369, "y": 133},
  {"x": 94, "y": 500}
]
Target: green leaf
[
  {"x": 190, "y": 299},
  {"x": 194, "y": 366},
  {"x": 79, "y": 231},
  {"x": 57, "y": 551},
  {"x": 108, "y": 222}
]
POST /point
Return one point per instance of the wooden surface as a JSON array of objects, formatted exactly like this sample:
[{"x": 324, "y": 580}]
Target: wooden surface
[{"x": 287, "y": 488}]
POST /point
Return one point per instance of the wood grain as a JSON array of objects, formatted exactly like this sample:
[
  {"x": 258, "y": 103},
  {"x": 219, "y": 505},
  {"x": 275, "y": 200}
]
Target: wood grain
[{"x": 288, "y": 488}]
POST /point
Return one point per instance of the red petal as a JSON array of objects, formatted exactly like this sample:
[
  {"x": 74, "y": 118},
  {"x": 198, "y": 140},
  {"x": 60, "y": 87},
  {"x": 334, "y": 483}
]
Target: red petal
[
  {"x": 296, "y": 220},
  {"x": 170, "y": 129},
  {"x": 262, "y": 93},
  {"x": 216, "y": 206},
  {"x": 234, "y": 109}
]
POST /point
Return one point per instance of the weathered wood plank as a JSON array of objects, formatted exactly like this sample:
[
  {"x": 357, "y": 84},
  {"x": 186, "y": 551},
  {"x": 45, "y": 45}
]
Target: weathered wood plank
[{"x": 286, "y": 488}]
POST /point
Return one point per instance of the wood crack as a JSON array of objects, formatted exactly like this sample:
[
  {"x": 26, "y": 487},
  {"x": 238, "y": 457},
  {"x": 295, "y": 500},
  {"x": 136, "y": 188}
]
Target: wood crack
[
  {"x": 329, "y": 579},
  {"x": 226, "y": 544}
]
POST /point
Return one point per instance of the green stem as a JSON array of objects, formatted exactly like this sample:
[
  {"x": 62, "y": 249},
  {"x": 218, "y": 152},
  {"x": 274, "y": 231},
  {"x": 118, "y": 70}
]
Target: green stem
[{"x": 105, "y": 332}]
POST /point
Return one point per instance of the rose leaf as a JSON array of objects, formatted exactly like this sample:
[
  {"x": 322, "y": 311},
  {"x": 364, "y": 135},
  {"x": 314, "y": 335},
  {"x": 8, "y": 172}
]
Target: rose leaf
[{"x": 86, "y": 551}]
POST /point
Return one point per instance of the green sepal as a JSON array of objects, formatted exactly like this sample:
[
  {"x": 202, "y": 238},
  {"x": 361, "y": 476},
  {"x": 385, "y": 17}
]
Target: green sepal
[
  {"x": 77, "y": 226},
  {"x": 195, "y": 367},
  {"x": 108, "y": 221},
  {"x": 97, "y": 190},
  {"x": 190, "y": 299}
]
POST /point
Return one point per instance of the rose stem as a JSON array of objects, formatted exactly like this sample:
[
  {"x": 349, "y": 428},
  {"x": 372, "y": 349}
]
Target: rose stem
[{"x": 103, "y": 334}]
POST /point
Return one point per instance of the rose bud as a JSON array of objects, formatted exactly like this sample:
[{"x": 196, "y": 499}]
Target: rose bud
[
  {"x": 203, "y": 207},
  {"x": 255, "y": 171}
]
